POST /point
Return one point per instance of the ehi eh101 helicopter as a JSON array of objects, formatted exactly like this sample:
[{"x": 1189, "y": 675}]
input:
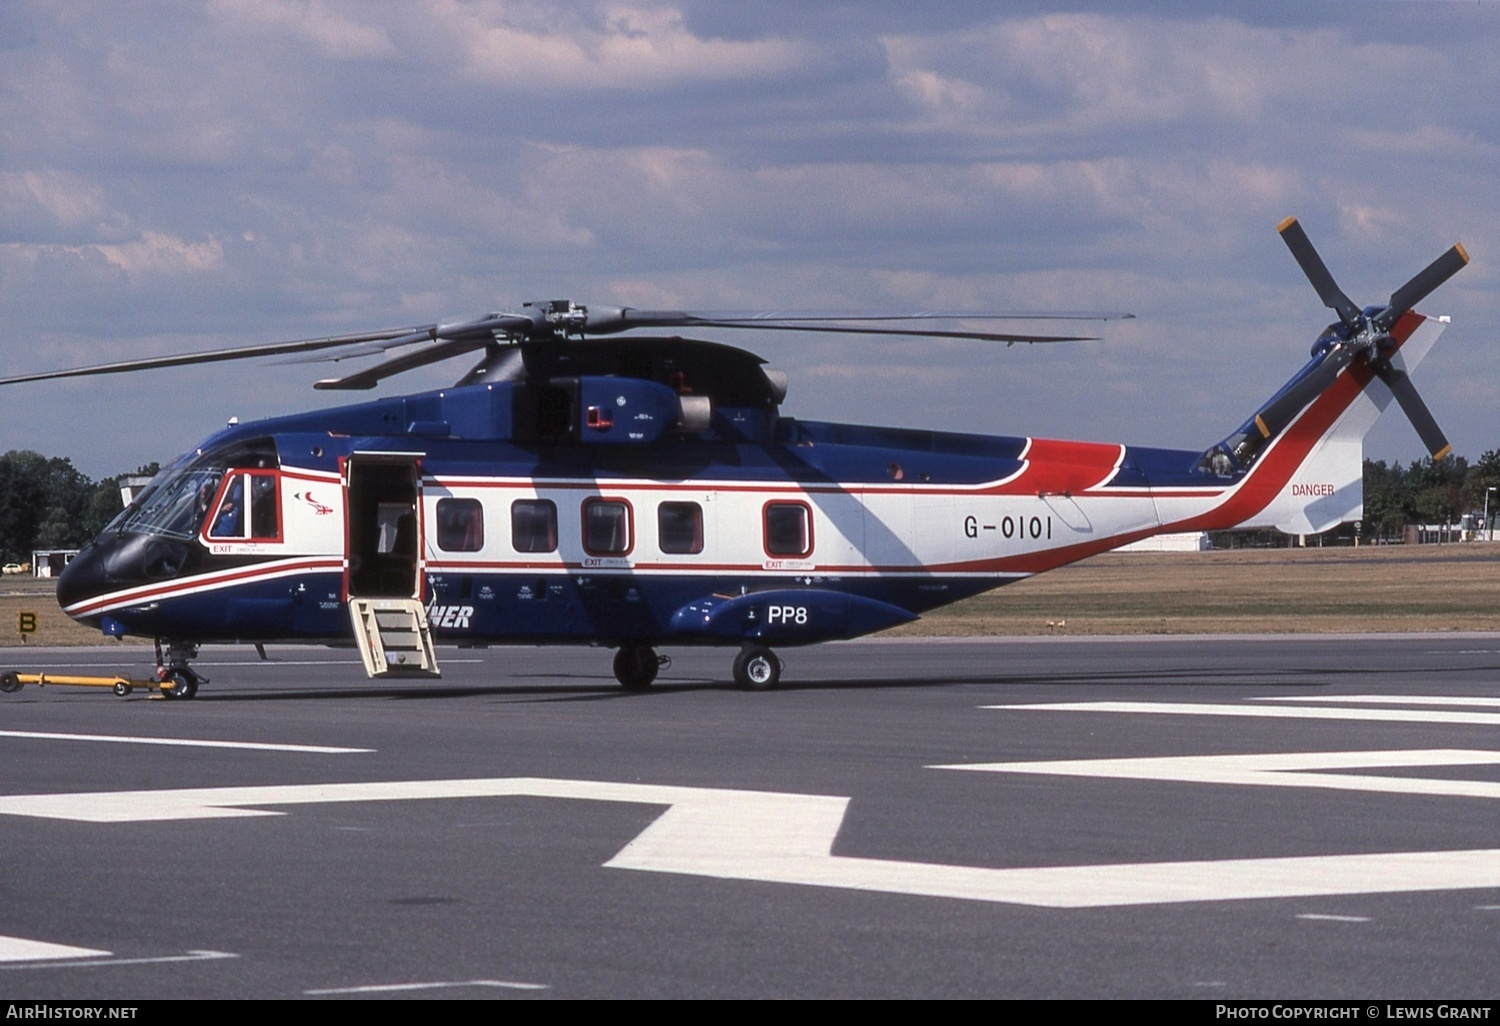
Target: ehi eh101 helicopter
[{"x": 645, "y": 491}]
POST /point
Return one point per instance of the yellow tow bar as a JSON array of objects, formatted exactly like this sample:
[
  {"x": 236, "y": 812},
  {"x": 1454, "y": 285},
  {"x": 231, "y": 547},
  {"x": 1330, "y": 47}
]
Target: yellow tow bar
[{"x": 11, "y": 681}]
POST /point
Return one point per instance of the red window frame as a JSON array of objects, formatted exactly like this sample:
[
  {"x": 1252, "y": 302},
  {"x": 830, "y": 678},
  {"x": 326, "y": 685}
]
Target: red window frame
[
  {"x": 247, "y": 510},
  {"x": 472, "y": 536},
  {"x": 765, "y": 528},
  {"x": 600, "y": 500}
]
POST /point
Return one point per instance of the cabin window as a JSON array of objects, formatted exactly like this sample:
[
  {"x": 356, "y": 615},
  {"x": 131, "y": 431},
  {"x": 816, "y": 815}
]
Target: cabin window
[
  {"x": 248, "y": 509},
  {"x": 460, "y": 525},
  {"x": 606, "y": 527},
  {"x": 679, "y": 527},
  {"x": 533, "y": 525},
  {"x": 788, "y": 529}
]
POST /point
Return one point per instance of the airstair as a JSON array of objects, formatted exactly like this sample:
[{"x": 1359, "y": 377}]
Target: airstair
[{"x": 393, "y": 637}]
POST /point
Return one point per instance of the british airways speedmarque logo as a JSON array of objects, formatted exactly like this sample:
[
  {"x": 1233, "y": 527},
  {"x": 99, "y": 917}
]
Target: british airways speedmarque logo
[{"x": 318, "y": 508}]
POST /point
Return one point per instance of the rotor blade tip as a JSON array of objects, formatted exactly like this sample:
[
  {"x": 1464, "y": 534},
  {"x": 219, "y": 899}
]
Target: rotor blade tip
[
  {"x": 1284, "y": 225},
  {"x": 1441, "y": 453},
  {"x": 1462, "y": 253}
]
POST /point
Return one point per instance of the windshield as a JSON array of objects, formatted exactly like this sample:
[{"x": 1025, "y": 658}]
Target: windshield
[
  {"x": 177, "y": 506},
  {"x": 177, "y": 499}
]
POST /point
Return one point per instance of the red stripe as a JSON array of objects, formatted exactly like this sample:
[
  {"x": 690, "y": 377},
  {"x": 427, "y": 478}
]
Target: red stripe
[
  {"x": 1060, "y": 466},
  {"x": 213, "y": 580}
]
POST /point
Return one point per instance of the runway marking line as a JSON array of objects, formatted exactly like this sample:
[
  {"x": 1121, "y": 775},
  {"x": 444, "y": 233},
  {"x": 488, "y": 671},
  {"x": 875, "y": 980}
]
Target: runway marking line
[
  {"x": 87, "y": 963},
  {"x": 20, "y": 949},
  {"x": 395, "y": 988},
  {"x": 1326, "y": 917},
  {"x": 1262, "y": 711},
  {"x": 182, "y": 742},
  {"x": 783, "y": 838},
  {"x": 1293, "y": 769},
  {"x": 1454, "y": 700}
]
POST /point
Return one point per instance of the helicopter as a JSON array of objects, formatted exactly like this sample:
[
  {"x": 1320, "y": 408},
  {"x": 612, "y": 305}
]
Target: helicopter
[{"x": 595, "y": 480}]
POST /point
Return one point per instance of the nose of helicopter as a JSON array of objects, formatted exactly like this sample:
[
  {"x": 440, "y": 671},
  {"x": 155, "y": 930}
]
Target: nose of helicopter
[
  {"x": 82, "y": 579},
  {"x": 113, "y": 563}
]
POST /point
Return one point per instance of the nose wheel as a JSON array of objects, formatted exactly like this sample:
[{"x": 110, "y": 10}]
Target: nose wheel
[
  {"x": 180, "y": 684},
  {"x": 173, "y": 674},
  {"x": 756, "y": 668}
]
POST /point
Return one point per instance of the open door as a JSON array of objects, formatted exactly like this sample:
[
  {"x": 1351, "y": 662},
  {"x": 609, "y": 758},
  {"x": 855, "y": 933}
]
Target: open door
[
  {"x": 383, "y": 578},
  {"x": 383, "y": 529}
]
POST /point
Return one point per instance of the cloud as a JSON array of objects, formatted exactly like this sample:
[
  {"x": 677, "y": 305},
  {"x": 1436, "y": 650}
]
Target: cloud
[
  {"x": 49, "y": 205},
  {"x": 155, "y": 252},
  {"x": 243, "y": 172},
  {"x": 608, "y": 46},
  {"x": 1101, "y": 74},
  {"x": 333, "y": 33}
]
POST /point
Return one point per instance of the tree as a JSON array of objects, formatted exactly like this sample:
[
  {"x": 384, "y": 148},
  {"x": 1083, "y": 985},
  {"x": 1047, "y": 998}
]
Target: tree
[
  {"x": 1436, "y": 488},
  {"x": 1483, "y": 475},
  {"x": 1387, "y": 506},
  {"x": 46, "y": 503}
]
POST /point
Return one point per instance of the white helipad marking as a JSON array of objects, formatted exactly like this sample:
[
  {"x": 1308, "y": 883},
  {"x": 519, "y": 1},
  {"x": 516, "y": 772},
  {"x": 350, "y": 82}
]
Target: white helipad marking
[
  {"x": 1457, "y": 700},
  {"x": 191, "y": 956},
  {"x": 182, "y": 742},
  {"x": 1279, "y": 770},
  {"x": 391, "y": 988},
  {"x": 19, "y": 949},
  {"x": 1272, "y": 711},
  {"x": 1333, "y": 918},
  {"x": 788, "y": 838}
]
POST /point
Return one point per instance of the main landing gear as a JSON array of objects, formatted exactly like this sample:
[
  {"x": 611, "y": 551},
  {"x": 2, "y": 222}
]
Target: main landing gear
[
  {"x": 636, "y": 666},
  {"x": 756, "y": 668},
  {"x": 173, "y": 674}
]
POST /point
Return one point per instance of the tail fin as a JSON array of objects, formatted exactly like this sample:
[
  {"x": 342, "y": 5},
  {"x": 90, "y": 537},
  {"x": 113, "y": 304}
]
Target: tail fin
[
  {"x": 1300, "y": 459},
  {"x": 1314, "y": 467}
]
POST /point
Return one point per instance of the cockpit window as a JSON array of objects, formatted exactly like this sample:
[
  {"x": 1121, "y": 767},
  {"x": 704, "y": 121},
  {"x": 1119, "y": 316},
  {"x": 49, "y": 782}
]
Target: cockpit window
[
  {"x": 177, "y": 500},
  {"x": 176, "y": 506},
  {"x": 250, "y": 492}
]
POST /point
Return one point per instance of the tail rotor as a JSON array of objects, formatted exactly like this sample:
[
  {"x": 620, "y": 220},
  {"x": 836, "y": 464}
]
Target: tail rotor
[{"x": 1360, "y": 335}]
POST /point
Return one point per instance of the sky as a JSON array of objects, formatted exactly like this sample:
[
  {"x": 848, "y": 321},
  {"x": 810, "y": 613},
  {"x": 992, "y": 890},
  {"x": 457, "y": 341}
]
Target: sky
[{"x": 183, "y": 176}]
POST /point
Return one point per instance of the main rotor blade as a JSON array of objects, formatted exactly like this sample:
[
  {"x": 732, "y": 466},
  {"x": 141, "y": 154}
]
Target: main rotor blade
[
  {"x": 1422, "y": 285},
  {"x": 1415, "y": 409},
  {"x": 607, "y": 320},
  {"x": 372, "y": 376},
  {"x": 213, "y": 356},
  {"x": 483, "y": 329},
  {"x": 982, "y": 336},
  {"x": 1280, "y": 411},
  {"x": 1317, "y": 272}
]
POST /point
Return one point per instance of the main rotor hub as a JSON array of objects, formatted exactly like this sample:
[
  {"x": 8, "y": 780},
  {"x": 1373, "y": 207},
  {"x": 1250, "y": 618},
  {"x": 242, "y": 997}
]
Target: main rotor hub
[{"x": 562, "y": 315}]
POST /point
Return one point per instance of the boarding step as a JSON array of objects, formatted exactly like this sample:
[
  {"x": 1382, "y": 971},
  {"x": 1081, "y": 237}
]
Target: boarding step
[{"x": 393, "y": 637}]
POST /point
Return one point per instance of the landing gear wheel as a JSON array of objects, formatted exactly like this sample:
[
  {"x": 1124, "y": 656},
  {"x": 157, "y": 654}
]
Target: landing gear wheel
[
  {"x": 10, "y": 681},
  {"x": 122, "y": 689},
  {"x": 636, "y": 666},
  {"x": 180, "y": 684},
  {"x": 757, "y": 669}
]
